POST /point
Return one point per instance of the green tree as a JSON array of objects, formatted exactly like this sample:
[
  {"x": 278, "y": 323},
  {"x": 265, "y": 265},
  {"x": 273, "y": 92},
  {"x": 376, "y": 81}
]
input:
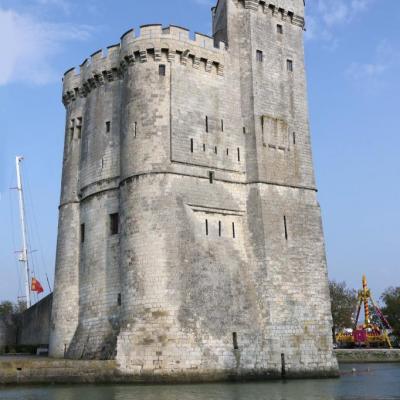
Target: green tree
[
  {"x": 391, "y": 309},
  {"x": 6, "y": 309},
  {"x": 343, "y": 303}
]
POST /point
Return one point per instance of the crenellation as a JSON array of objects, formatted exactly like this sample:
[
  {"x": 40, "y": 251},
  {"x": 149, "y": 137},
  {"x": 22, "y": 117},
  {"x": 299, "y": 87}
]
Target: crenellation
[{"x": 192, "y": 181}]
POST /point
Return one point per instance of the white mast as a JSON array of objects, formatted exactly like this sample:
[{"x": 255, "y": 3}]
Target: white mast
[{"x": 24, "y": 254}]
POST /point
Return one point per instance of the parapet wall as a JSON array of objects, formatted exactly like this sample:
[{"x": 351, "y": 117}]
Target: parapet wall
[{"x": 153, "y": 41}]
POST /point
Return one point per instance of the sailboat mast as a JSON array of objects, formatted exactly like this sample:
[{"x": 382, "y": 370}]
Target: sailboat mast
[{"x": 24, "y": 254}]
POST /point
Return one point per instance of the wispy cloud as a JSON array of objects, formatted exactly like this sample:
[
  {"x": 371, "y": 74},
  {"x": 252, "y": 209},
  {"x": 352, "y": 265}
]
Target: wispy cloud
[
  {"x": 324, "y": 16},
  {"x": 386, "y": 58},
  {"x": 64, "y": 5},
  {"x": 208, "y": 3},
  {"x": 28, "y": 46}
]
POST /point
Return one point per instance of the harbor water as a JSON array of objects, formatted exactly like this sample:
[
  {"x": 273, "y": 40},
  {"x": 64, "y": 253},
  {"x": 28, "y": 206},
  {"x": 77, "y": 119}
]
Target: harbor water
[{"x": 358, "y": 382}]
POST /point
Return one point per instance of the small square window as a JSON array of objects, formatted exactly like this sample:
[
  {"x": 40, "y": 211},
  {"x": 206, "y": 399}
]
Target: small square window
[
  {"x": 162, "y": 69},
  {"x": 289, "y": 65},
  {"x": 279, "y": 29},
  {"x": 259, "y": 56}
]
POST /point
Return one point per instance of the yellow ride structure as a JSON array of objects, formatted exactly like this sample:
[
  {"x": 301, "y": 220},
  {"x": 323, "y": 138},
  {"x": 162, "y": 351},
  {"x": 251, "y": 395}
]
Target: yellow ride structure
[{"x": 374, "y": 331}]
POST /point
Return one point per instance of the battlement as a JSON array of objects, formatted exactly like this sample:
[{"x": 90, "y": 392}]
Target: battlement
[{"x": 151, "y": 42}]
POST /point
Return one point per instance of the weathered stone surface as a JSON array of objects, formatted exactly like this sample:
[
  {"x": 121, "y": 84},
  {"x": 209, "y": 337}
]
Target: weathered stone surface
[
  {"x": 204, "y": 150},
  {"x": 368, "y": 355}
]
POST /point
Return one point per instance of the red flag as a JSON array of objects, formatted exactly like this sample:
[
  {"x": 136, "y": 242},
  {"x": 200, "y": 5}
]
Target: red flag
[{"x": 36, "y": 286}]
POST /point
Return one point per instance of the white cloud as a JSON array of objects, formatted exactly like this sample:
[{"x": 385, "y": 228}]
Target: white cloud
[
  {"x": 209, "y": 3},
  {"x": 28, "y": 45},
  {"x": 64, "y": 5}
]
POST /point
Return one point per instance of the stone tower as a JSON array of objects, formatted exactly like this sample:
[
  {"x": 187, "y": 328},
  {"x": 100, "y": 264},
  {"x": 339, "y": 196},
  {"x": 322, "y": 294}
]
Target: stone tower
[{"x": 190, "y": 237}]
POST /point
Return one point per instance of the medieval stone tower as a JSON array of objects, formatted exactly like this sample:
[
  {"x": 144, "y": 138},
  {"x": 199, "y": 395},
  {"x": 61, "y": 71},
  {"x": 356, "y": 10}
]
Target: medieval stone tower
[{"x": 190, "y": 240}]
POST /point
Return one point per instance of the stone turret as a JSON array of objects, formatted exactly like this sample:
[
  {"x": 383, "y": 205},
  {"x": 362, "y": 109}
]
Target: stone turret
[{"x": 190, "y": 234}]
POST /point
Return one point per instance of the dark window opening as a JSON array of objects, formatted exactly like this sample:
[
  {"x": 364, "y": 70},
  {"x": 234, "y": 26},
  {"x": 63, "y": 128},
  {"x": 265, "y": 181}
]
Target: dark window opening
[
  {"x": 114, "y": 224},
  {"x": 233, "y": 230},
  {"x": 222, "y": 125},
  {"x": 220, "y": 228},
  {"x": 227, "y": 152},
  {"x": 204, "y": 147},
  {"x": 211, "y": 176},
  {"x": 244, "y": 130},
  {"x": 285, "y": 226},
  {"x": 82, "y": 233},
  {"x": 283, "y": 365},
  {"x": 259, "y": 56},
  {"x": 206, "y": 227},
  {"x": 207, "y": 124},
  {"x": 162, "y": 69},
  {"x": 289, "y": 64},
  {"x": 235, "y": 341},
  {"x": 79, "y": 127},
  {"x": 119, "y": 299},
  {"x": 279, "y": 29},
  {"x": 294, "y": 137},
  {"x": 135, "y": 129},
  {"x": 191, "y": 145},
  {"x": 238, "y": 153},
  {"x": 108, "y": 126},
  {"x": 216, "y": 150}
]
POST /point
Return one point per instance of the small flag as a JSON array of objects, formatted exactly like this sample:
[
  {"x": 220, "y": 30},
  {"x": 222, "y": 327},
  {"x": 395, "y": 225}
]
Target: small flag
[{"x": 36, "y": 286}]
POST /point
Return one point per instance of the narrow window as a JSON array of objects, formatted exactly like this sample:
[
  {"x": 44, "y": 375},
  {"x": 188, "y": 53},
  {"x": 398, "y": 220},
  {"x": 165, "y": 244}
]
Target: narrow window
[
  {"x": 294, "y": 137},
  {"x": 71, "y": 129},
  {"x": 79, "y": 127},
  {"x": 220, "y": 228},
  {"x": 216, "y": 150},
  {"x": 222, "y": 125},
  {"x": 235, "y": 341},
  {"x": 289, "y": 64},
  {"x": 285, "y": 226},
  {"x": 206, "y": 227},
  {"x": 259, "y": 56},
  {"x": 119, "y": 299},
  {"x": 207, "y": 124},
  {"x": 114, "y": 224},
  {"x": 82, "y": 233},
  {"x": 238, "y": 154},
  {"x": 227, "y": 152},
  {"x": 102, "y": 163},
  {"x": 108, "y": 126},
  {"x": 233, "y": 230},
  {"x": 135, "y": 129},
  {"x": 211, "y": 176},
  {"x": 283, "y": 365},
  {"x": 204, "y": 147},
  {"x": 279, "y": 29},
  {"x": 161, "y": 69},
  {"x": 244, "y": 130},
  {"x": 191, "y": 145}
]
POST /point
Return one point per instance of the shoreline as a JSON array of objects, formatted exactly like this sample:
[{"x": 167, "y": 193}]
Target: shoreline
[{"x": 348, "y": 356}]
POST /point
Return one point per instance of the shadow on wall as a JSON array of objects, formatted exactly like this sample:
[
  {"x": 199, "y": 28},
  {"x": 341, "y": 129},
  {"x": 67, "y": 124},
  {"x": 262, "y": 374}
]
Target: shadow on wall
[{"x": 29, "y": 331}]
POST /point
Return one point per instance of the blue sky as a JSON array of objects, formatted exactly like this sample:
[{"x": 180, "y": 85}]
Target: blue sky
[{"x": 353, "y": 59}]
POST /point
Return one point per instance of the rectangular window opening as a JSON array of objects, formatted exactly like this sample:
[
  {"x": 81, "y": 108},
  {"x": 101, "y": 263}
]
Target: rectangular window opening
[
  {"x": 108, "y": 126},
  {"x": 162, "y": 69},
  {"x": 206, "y": 227},
  {"x": 235, "y": 341},
  {"x": 114, "y": 224},
  {"x": 233, "y": 230},
  {"x": 82, "y": 233},
  {"x": 285, "y": 226},
  {"x": 259, "y": 56},
  {"x": 135, "y": 129},
  {"x": 216, "y": 150},
  {"x": 227, "y": 152},
  {"x": 244, "y": 130},
  {"x": 222, "y": 125},
  {"x": 204, "y": 147},
  {"x": 279, "y": 29},
  {"x": 294, "y": 137},
  {"x": 238, "y": 154},
  {"x": 219, "y": 228},
  {"x": 289, "y": 64},
  {"x": 191, "y": 145},
  {"x": 207, "y": 124},
  {"x": 119, "y": 299},
  {"x": 211, "y": 176}
]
